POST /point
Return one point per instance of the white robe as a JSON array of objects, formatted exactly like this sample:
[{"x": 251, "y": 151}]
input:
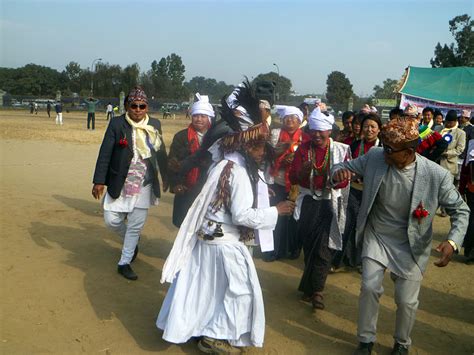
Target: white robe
[{"x": 216, "y": 291}]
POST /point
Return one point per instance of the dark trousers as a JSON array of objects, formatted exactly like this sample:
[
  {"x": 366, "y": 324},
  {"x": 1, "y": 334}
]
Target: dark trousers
[
  {"x": 469, "y": 239},
  {"x": 313, "y": 230},
  {"x": 285, "y": 242},
  {"x": 110, "y": 114},
  {"x": 351, "y": 253},
  {"x": 91, "y": 118},
  {"x": 181, "y": 205}
]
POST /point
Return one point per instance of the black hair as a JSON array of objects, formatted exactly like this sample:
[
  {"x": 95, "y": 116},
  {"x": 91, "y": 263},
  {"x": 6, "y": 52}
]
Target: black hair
[
  {"x": 438, "y": 113},
  {"x": 346, "y": 115},
  {"x": 396, "y": 111},
  {"x": 373, "y": 117},
  {"x": 452, "y": 115},
  {"x": 428, "y": 109}
]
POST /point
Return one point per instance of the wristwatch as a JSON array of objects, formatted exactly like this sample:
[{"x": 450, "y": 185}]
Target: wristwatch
[{"x": 453, "y": 244}]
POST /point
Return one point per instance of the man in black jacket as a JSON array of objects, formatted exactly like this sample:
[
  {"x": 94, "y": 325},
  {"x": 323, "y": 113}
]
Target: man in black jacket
[{"x": 130, "y": 157}]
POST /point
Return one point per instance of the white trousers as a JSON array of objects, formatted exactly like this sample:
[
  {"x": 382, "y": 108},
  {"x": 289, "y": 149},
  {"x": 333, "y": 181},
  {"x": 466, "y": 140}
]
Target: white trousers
[
  {"x": 406, "y": 299},
  {"x": 59, "y": 118},
  {"x": 130, "y": 231}
]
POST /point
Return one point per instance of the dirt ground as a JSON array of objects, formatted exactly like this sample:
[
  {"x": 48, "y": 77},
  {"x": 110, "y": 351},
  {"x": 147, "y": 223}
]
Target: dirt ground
[{"x": 61, "y": 294}]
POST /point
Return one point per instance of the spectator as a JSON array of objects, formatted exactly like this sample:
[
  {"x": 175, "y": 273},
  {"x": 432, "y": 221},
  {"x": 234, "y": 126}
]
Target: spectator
[
  {"x": 439, "y": 121},
  {"x": 91, "y": 103},
  {"x": 59, "y": 112},
  {"x": 346, "y": 133},
  {"x": 185, "y": 143},
  {"x": 456, "y": 138},
  {"x": 109, "y": 111},
  {"x": 48, "y": 109}
]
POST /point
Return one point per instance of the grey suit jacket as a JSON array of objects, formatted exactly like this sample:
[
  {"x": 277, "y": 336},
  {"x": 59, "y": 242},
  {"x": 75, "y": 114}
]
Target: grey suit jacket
[{"x": 433, "y": 187}]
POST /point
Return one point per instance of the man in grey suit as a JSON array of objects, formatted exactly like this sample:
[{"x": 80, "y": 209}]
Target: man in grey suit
[{"x": 402, "y": 191}]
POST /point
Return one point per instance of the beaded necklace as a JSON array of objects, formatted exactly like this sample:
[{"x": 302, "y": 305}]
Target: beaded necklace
[{"x": 320, "y": 170}]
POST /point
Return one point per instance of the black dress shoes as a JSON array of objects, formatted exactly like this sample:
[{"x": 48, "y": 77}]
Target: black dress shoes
[
  {"x": 364, "y": 349},
  {"x": 127, "y": 272},
  {"x": 399, "y": 349}
]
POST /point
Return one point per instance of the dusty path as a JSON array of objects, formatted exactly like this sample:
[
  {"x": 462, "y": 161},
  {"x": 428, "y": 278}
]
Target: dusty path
[{"x": 60, "y": 292}]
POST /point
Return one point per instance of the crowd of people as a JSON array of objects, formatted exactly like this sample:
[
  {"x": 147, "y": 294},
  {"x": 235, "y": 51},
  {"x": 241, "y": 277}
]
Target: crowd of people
[{"x": 355, "y": 197}]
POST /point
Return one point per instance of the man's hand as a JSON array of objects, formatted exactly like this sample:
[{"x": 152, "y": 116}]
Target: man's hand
[
  {"x": 342, "y": 175},
  {"x": 180, "y": 189},
  {"x": 174, "y": 165},
  {"x": 98, "y": 191},
  {"x": 446, "y": 251},
  {"x": 285, "y": 208}
]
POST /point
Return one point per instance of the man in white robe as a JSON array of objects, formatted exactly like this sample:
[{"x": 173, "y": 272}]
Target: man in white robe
[{"x": 215, "y": 293}]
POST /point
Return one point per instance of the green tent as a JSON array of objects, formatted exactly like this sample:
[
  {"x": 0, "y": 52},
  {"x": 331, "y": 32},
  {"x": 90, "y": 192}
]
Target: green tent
[{"x": 444, "y": 85}]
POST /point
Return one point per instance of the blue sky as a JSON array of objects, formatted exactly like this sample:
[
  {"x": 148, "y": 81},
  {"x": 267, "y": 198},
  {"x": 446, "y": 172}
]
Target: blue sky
[{"x": 367, "y": 40}]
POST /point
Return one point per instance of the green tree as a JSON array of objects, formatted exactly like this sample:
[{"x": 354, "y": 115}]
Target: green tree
[
  {"x": 387, "y": 90},
  {"x": 31, "y": 79},
  {"x": 107, "y": 80},
  {"x": 129, "y": 77},
  {"x": 159, "y": 77},
  {"x": 283, "y": 85},
  {"x": 461, "y": 53},
  {"x": 73, "y": 73},
  {"x": 206, "y": 86},
  {"x": 339, "y": 90},
  {"x": 176, "y": 70}
]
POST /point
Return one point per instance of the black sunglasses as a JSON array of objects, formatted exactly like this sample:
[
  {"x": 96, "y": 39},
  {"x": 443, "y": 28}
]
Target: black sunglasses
[
  {"x": 389, "y": 150},
  {"x": 135, "y": 106}
]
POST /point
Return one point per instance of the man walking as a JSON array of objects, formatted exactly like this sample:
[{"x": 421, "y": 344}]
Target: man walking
[
  {"x": 395, "y": 225},
  {"x": 130, "y": 157}
]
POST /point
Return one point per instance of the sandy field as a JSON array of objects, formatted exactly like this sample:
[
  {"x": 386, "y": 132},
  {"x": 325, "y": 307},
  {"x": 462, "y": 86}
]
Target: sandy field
[{"x": 61, "y": 294}]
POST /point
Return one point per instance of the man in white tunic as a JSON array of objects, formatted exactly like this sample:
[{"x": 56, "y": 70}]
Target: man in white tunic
[
  {"x": 215, "y": 293},
  {"x": 130, "y": 157},
  {"x": 395, "y": 226}
]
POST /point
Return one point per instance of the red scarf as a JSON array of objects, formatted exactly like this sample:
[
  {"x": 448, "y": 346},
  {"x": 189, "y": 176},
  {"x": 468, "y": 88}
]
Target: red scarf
[
  {"x": 193, "y": 142},
  {"x": 296, "y": 139}
]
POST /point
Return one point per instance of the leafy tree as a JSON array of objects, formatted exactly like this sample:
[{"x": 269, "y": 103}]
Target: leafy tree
[
  {"x": 339, "y": 90},
  {"x": 129, "y": 77},
  {"x": 159, "y": 77},
  {"x": 107, "y": 80},
  {"x": 206, "y": 86},
  {"x": 387, "y": 90},
  {"x": 31, "y": 79},
  {"x": 282, "y": 85},
  {"x": 73, "y": 73},
  {"x": 176, "y": 70},
  {"x": 461, "y": 54}
]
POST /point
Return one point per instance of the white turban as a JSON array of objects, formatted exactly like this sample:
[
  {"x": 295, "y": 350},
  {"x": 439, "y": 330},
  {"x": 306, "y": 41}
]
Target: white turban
[
  {"x": 202, "y": 107},
  {"x": 284, "y": 111},
  {"x": 318, "y": 121}
]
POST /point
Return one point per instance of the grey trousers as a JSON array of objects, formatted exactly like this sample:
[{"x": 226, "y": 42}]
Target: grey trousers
[
  {"x": 130, "y": 231},
  {"x": 406, "y": 299}
]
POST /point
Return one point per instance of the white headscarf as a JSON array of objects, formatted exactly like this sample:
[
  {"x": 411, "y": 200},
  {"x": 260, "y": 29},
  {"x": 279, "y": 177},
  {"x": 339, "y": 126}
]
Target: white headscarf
[
  {"x": 284, "y": 111},
  {"x": 202, "y": 107},
  {"x": 318, "y": 121}
]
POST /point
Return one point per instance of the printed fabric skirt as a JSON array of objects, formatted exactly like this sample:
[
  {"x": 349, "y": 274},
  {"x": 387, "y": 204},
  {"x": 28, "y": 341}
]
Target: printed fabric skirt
[{"x": 217, "y": 294}]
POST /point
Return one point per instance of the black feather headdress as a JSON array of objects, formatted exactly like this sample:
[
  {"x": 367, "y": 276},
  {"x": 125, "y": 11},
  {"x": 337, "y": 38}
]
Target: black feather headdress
[{"x": 242, "y": 113}]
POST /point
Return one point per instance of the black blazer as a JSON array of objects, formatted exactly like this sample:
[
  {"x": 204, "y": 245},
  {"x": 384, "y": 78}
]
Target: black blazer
[{"x": 114, "y": 159}]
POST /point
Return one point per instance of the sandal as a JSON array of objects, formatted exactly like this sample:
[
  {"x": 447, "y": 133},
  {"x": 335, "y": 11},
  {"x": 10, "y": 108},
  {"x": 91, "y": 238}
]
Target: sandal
[{"x": 317, "y": 300}]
